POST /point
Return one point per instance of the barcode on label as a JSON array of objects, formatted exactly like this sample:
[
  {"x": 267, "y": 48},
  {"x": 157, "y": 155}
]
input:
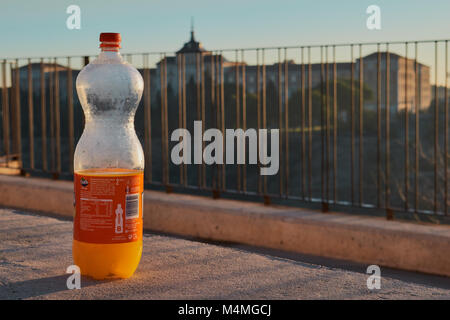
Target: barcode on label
[{"x": 132, "y": 206}]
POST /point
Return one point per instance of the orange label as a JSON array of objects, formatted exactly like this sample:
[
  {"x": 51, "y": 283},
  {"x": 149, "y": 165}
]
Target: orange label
[{"x": 108, "y": 205}]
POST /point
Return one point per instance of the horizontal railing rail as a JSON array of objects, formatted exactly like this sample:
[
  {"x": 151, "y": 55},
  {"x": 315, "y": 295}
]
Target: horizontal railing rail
[{"x": 363, "y": 125}]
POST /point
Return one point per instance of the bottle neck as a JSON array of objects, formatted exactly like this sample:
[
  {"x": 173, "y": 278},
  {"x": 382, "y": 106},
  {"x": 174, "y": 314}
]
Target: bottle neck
[{"x": 107, "y": 56}]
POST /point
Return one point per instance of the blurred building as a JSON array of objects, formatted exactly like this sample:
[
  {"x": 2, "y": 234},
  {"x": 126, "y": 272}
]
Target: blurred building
[{"x": 402, "y": 76}]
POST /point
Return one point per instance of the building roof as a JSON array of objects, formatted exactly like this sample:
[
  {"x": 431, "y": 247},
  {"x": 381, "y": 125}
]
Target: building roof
[
  {"x": 383, "y": 54},
  {"x": 192, "y": 46},
  {"x": 48, "y": 67}
]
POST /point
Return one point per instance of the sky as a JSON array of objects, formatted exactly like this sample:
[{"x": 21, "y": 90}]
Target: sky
[{"x": 38, "y": 28}]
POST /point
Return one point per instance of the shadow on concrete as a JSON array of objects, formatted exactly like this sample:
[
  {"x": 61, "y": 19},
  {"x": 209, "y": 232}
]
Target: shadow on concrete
[
  {"x": 34, "y": 288},
  {"x": 317, "y": 261},
  {"x": 402, "y": 275}
]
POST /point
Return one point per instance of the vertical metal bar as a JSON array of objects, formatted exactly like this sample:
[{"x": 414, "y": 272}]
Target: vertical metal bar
[
  {"x": 286, "y": 124},
  {"x": 238, "y": 111},
  {"x": 244, "y": 117},
  {"x": 166, "y": 124},
  {"x": 12, "y": 114},
  {"x": 406, "y": 130},
  {"x": 388, "y": 145},
  {"x": 30, "y": 115},
  {"x": 446, "y": 132},
  {"x": 436, "y": 127},
  {"x": 378, "y": 126},
  {"x": 213, "y": 115},
  {"x": 43, "y": 118},
  {"x": 218, "y": 121},
  {"x": 327, "y": 126},
  {"x": 5, "y": 114},
  {"x": 70, "y": 112},
  {"x": 222, "y": 116},
  {"x": 180, "y": 106},
  {"x": 280, "y": 123},
  {"x": 12, "y": 119},
  {"x": 218, "y": 116},
  {"x": 202, "y": 71},
  {"x": 264, "y": 115},
  {"x": 51, "y": 97},
  {"x": 303, "y": 114},
  {"x": 361, "y": 125},
  {"x": 335, "y": 125},
  {"x": 180, "y": 103},
  {"x": 310, "y": 124},
  {"x": 163, "y": 122},
  {"x": 185, "y": 182},
  {"x": 258, "y": 112},
  {"x": 57, "y": 122},
  {"x": 18, "y": 114},
  {"x": 417, "y": 142},
  {"x": 322, "y": 133},
  {"x": 199, "y": 106},
  {"x": 147, "y": 120},
  {"x": 352, "y": 123}
]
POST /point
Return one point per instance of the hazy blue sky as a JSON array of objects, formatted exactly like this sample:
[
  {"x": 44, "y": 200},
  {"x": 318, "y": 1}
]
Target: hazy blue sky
[{"x": 38, "y": 28}]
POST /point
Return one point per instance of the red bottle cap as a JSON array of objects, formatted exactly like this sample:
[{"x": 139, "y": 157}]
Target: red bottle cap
[{"x": 110, "y": 40}]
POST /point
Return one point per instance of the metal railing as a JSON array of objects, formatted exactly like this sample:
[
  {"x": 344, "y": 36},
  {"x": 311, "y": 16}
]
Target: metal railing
[{"x": 361, "y": 125}]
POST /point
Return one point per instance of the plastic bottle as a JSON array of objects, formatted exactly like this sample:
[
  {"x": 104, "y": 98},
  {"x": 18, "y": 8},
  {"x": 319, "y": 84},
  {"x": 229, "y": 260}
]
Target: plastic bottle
[{"x": 108, "y": 165}]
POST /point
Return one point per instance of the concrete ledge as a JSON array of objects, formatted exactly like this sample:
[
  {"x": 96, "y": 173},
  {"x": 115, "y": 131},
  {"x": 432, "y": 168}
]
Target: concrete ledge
[{"x": 368, "y": 240}]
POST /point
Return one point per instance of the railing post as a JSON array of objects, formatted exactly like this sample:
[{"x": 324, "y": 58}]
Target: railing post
[
  {"x": 18, "y": 114},
  {"x": 43, "y": 117},
  {"x": 5, "y": 114},
  {"x": 30, "y": 115},
  {"x": 147, "y": 121},
  {"x": 70, "y": 113}
]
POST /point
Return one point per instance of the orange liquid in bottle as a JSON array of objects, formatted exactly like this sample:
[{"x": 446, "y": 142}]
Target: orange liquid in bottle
[{"x": 108, "y": 260}]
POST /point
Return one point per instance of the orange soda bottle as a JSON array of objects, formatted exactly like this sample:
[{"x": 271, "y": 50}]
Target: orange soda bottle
[{"x": 108, "y": 167}]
